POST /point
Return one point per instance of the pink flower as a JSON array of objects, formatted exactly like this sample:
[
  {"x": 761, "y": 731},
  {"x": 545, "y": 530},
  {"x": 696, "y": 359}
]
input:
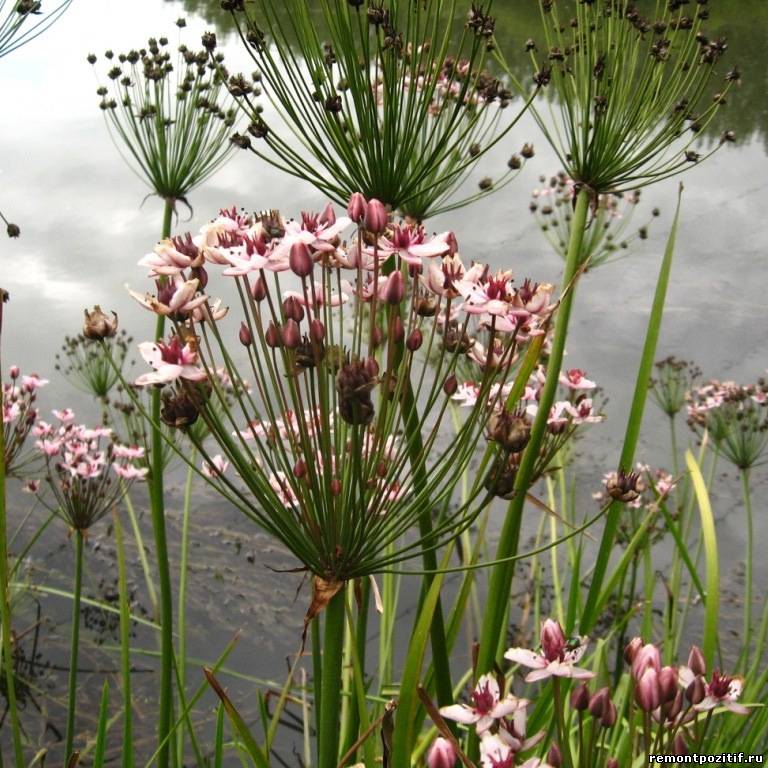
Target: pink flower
[
  {"x": 65, "y": 415},
  {"x": 127, "y": 451},
  {"x": 171, "y": 361},
  {"x": 32, "y": 382},
  {"x": 217, "y": 466},
  {"x": 495, "y": 752},
  {"x": 411, "y": 244},
  {"x": 49, "y": 447},
  {"x": 176, "y": 297},
  {"x": 485, "y": 293},
  {"x": 442, "y": 754},
  {"x": 316, "y": 231},
  {"x": 171, "y": 256},
  {"x": 130, "y": 472},
  {"x": 318, "y": 298},
  {"x": 442, "y": 277},
  {"x": 466, "y": 395},
  {"x": 576, "y": 379},
  {"x": 558, "y": 656},
  {"x": 31, "y": 486},
  {"x": 722, "y": 691},
  {"x": 486, "y": 706},
  {"x": 249, "y": 256}
]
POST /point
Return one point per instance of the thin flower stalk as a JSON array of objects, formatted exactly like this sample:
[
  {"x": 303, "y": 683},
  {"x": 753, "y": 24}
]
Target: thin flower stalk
[
  {"x": 631, "y": 92},
  {"x": 21, "y": 21},
  {"x": 394, "y": 104},
  {"x": 5, "y": 597}
]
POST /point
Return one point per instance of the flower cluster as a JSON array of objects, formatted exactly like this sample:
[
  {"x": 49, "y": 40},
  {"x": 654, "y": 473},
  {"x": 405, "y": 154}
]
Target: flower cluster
[
  {"x": 735, "y": 416},
  {"x": 664, "y": 699},
  {"x": 511, "y": 429},
  {"x": 19, "y": 414},
  {"x": 673, "y": 380},
  {"x": 608, "y": 234},
  {"x": 352, "y": 348},
  {"x": 170, "y": 112},
  {"x": 78, "y": 461}
]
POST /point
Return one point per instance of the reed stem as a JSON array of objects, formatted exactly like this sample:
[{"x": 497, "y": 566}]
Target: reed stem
[{"x": 74, "y": 646}]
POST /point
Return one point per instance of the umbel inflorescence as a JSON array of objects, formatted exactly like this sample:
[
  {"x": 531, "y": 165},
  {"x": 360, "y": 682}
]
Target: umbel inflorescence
[{"x": 344, "y": 356}]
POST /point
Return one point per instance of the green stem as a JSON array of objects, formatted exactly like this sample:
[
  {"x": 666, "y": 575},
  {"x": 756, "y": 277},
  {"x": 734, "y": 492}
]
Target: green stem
[
  {"x": 330, "y": 703},
  {"x": 161, "y": 550},
  {"x": 5, "y": 595},
  {"x": 125, "y": 646},
  {"x": 632, "y": 433},
  {"x": 500, "y": 581},
  {"x": 74, "y": 644},
  {"x": 440, "y": 660},
  {"x": 748, "y": 575},
  {"x": 562, "y": 733}
]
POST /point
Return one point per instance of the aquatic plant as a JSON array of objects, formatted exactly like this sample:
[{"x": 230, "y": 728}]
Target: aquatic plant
[
  {"x": 21, "y": 21},
  {"x": 607, "y": 238},
  {"x": 384, "y": 98}
]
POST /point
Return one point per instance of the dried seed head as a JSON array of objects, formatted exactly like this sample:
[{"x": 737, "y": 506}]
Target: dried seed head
[
  {"x": 354, "y": 385},
  {"x": 510, "y": 429},
  {"x": 98, "y": 325}
]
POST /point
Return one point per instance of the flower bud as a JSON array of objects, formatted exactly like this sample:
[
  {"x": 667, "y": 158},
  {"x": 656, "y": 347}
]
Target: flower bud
[
  {"x": 647, "y": 657},
  {"x": 674, "y": 707},
  {"x": 599, "y": 702},
  {"x": 371, "y": 367},
  {"x": 647, "y": 691},
  {"x": 316, "y": 330},
  {"x": 328, "y": 216},
  {"x": 527, "y": 151},
  {"x": 609, "y": 716},
  {"x": 13, "y": 230},
  {"x": 246, "y": 339},
  {"x": 450, "y": 385},
  {"x": 398, "y": 331},
  {"x": 679, "y": 747},
  {"x": 696, "y": 661},
  {"x": 377, "y": 336},
  {"x": 335, "y": 486},
  {"x": 612, "y": 763},
  {"x": 696, "y": 691},
  {"x": 668, "y": 684},
  {"x": 272, "y": 336},
  {"x": 580, "y": 698},
  {"x": 357, "y": 207},
  {"x": 98, "y": 325},
  {"x": 291, "y": 335},
  {"x": 300, "y": 260},
  {"x": 442, "y": 754},
  {"x": 554, "y": 756},
  {"x": 15, "y": 372},
  {"x": 376, "y": 218},
  {"x": 394, "y": 289},
  {"x": 259, "y": 290},
  {"x": 300, "y": 469},
  {"x": 453, "y": 244},
  {"x": 293, "y": 310},
  {"x": 414, "y": 340},
  {"x": 632, "y": 648}
]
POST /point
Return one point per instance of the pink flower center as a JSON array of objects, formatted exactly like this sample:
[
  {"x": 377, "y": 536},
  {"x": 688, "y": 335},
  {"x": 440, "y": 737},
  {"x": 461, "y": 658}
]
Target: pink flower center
[
  {"x": 483, "y": 699},
  {"x": 496, "y": 288},
  {"x": 720, "y": 687}
]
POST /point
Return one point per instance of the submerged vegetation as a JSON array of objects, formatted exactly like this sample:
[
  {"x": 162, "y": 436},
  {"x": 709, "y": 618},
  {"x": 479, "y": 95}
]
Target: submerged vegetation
[{"x": 393, "y": 414}]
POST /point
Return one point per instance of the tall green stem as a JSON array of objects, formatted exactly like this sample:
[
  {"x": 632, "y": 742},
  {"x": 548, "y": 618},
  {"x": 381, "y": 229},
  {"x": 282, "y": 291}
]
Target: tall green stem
[
  {"x": 330, "y": 702},
  {"x": 74, "y": 646},
  {"x": 157, "y": 506},
  {"x": 500, "y": 582},
  {"x": 748, "y": 575},
  {"x": 632, "y": 433}
]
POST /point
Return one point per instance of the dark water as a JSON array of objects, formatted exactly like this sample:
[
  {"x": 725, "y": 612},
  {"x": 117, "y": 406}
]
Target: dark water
[{"x": 84, "y": 228}]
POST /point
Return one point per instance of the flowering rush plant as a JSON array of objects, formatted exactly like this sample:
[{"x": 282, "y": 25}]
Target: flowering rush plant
[
  {"x": 652, "y": 709},
  {"x": 351, "y": 350},
  {"x": 19, "y": 415},
  {"x": 84, "y": 465}
]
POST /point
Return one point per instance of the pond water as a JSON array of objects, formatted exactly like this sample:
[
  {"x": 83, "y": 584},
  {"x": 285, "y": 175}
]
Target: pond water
[{"x": 84, "y": 227}]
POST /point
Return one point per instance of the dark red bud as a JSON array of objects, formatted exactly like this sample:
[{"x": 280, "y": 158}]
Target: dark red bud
[
  {"x": 259, "y": 290},
  {"x": 357, "y": 207},
  {"x": 272, "y": 336},
  {"x": 394, "y": 289},
  {"x": 450, "y": 385},
  {"x": 246, "y": 339},
  {"x": 317, "y": 330},
  {"x": 300, "y": 469},
  {"x": 398, "y": 331},
  {"x": 293, "y": 310},
  {"x": 453, "y": 244},
  {"x": 696, "y": 691},
  {"x": 291, "y": 334},
  {"x": 300, "y": 260},
  {"x": 376, "y": 218},
  {"x": 580, "y": 698},
  {"x": 415, "y": 340},
  {"x": 377, "y": 336},
  {"x": 554, "y": 756},
  {"x": 668, "y": 683},
  {"x": 609, "y": 716},
  {"x": 371, "y": 367},
  {"x": 336, "y": 486},
  {"x": 696, "y": 661},
  {"x": 679, "y": 746},
  {"x": 599, "y": 702},
  {"x": 632, "y": 649}
]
